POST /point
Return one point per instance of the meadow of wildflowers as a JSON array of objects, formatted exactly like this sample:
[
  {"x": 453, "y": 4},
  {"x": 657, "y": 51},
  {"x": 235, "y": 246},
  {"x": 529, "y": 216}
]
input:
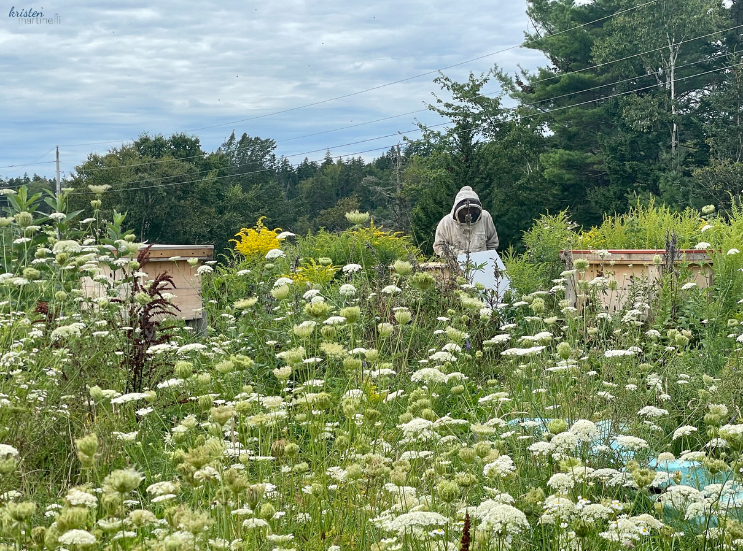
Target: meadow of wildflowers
[{"x": 349, "y": 406}]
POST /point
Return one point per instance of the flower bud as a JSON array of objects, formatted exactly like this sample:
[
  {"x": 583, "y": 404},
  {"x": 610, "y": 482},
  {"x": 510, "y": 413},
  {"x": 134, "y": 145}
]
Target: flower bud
[
  {"x": 403, "y": 267},
  {"x": 403, "y": 317},
  {"x": 24, "y": 219},
  {"x": 385, "y": 329},
  {"x": 267, "y": 511},
  {"x": 564, "y": 350},
  {"x": 351, "y": 313},
  {"x": 448, "y": 490}
]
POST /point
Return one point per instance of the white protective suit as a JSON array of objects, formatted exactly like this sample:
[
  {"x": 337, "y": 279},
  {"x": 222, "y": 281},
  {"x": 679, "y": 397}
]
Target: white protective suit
[{"x": 476, "y": 236}]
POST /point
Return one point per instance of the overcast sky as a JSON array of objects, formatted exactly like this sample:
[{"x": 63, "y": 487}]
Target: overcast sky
[{"x": 107, "y": 72}]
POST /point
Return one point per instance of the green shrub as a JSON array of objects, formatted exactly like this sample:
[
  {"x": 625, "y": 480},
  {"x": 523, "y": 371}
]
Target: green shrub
[
  {"x": 370, "y": 246},
  {"x": 644, "y": 227}
]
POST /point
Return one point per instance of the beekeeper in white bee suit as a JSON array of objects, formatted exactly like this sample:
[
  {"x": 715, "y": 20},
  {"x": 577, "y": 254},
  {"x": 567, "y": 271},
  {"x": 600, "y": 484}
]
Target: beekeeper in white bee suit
[{"x": 467, "y": 228}]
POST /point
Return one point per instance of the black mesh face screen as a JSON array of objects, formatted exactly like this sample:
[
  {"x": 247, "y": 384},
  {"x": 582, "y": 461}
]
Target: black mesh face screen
[{"x": 468, "y": 214}]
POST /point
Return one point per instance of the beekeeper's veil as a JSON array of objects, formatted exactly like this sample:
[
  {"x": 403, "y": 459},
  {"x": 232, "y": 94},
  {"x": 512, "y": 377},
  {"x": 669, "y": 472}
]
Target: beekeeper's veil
[{"x": 467, "y": 207}]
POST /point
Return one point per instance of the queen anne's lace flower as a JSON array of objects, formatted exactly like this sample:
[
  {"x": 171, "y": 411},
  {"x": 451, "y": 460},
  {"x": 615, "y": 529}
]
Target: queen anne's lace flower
[
  {"x": 273, "y": 254},
  {"x": 413, "y": 522},
  {"x": 131, "y": 397},
  {"x": 561, "y": 483},
  {"x": 585, "y": 430},
  {"x": 686, "y": 430},
  {"x": 504, "y": 521},
  {"x": 347, "y": 290},
  {"x": 523, "y": 351},
  {"x": 8, "y": 451},
  {"x": 66, "y": 246},
  {"x": 77, "y": 497},
  {"x": 631, "y": 442},
  {"x": 80, "y": 538},
  {"x": 352, "y": 268},
  {"x": 428, "y": 375},
  {"x": 541, "y": 449},
  {"x": 651, "y": 411},
  {"x": 501, "y": 467}
]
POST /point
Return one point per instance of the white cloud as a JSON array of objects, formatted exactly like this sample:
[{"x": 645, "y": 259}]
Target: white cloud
[{"x": 110, "y": 72}]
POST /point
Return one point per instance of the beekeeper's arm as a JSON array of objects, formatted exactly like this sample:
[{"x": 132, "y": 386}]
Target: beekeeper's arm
[
  {"x": 492, "y": 236},
  {"x": 440, "y": 239}
]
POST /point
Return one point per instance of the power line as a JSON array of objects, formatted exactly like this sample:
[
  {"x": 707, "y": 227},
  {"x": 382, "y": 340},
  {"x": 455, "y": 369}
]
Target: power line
[
  {"x": 427, "y": 73},
  {"x": 283, "y": 156},
  {"x": 307, "y": 152},
  {"x": 32, "y": 162},
  {"x": 421, "y": 110},
  {"x": 174, "y": 159},
  {"x": 403, "y": 132},
  {"x": 226, "y": 176},
  {"x": 353, "y": 125},
  {"x": 391, "y": 117},
  {"x": 398, "y": 133},
  {"x": 418, "y": 129},
  {"x": 637, "y": 77},
  {"x": 436, "y": 125},
  {"x": 632, "y": 56},
  {"x": 629, "y": 91},
  {"x": 513, "y": 47},
  {"x": 387, "y": 147}
]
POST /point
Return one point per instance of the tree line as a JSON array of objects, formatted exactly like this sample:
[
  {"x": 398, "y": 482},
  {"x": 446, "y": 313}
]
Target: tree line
[{"x": 637, "y": 101}]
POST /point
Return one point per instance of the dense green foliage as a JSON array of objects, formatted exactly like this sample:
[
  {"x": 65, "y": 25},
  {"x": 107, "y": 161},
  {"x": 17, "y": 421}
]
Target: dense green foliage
[{"x": 332, "y": 404}]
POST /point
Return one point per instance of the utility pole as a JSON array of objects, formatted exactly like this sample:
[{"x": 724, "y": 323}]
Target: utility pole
[
  {"x": 400, "y": 204},
  {"x": 59, "y": 185}
]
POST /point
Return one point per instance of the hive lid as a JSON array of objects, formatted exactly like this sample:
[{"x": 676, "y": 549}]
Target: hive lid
[{"x": 161, "y": 252}]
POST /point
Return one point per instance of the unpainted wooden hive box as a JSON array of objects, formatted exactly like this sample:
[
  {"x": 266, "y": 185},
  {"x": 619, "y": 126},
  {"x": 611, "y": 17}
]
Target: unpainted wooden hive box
[
  {"x": 629, "y": 267},
  {"x": 173, "y": 260}
]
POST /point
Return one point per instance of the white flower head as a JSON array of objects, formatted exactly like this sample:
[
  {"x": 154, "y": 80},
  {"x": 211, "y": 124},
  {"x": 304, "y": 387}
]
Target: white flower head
[
  {"x": 311, "y": 294},
  {"x": 347, "y": 290},
  {"x": 273, "y": 254},
  {"x": 283, "y": 281},
  {"x": 8, "y": 451},
  {"x": 502, "y": 467},
  {"x": 686, "y": 430},
  {"x": 391, "y": 289},
  {"x": 77, "y": 538}
]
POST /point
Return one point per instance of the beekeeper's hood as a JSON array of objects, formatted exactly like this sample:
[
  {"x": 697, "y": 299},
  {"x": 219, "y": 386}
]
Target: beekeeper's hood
[{"x": 466, "y": 202}]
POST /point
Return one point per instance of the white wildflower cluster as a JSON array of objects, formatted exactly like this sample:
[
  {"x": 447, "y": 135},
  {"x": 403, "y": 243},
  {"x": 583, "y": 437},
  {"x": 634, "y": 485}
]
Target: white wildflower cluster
[{"x": 415, "y": 398}]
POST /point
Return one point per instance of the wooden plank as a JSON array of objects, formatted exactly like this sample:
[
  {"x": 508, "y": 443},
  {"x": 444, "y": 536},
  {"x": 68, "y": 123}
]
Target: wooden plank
[{"x": 166, "y": 252}]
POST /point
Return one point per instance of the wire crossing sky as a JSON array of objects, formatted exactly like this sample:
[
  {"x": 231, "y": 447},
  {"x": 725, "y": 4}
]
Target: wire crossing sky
[{"x": 102, "y": 71}]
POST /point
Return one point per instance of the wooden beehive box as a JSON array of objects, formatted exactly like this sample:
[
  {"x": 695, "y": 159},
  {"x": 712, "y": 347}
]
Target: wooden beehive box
[
  {"x": 629, "y": 267},
  {"x": 173, "y": 260}
]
